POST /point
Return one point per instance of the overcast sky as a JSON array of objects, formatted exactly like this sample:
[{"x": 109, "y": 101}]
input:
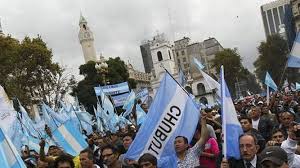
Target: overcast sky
[{"x": 119, "y": 26}]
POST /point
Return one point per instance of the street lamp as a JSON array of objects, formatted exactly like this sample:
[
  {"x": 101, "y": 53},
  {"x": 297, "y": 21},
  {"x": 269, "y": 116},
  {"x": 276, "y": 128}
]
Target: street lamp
[{"x": 102, "y": 68}]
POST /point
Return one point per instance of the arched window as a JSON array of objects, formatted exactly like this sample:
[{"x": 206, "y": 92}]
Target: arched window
[
  {"x": 169, "y": 54},
  {"x": 200, "y": 88},
  {"x": 159, "y": 56},
  {"x": 203, "y": 100},
  {"x": 189, "y": 89}
]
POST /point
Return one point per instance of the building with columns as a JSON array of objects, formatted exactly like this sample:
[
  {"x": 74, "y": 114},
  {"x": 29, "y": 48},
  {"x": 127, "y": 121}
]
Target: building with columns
[{"x": 86, "y": 39}]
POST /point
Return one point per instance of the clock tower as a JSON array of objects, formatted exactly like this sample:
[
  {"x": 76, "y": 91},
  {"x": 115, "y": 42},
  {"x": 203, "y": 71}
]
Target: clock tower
[{"x": 86, "y": 40}]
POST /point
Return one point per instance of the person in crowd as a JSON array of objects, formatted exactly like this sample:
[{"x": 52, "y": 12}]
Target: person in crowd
[
  {"x": 263, "y": 125},
  {"x": 64, "y": 161},
  {"x": 87, "y": 159},
  {"x": 246, "y": 123},
  {"x": 285, "y": 119},
  {"x": 274, "y": 156},
  {"x": 210, "y": 153},
  {"x": 248, "y": 149},
  {"x": 189, "y": 157},
  {"x": 42, "y": 164},
  {"x": 277, "y": 138},
  {"x": 28, "y": 157},
  {"x": 144, "y": 107},
  {"x": 127, "y": 140},
  {"x": 290, "y": 145},
  {"x": 147, "y": 161},
  {"x": 110, "y": 157},
  {"x": 266, "y": 113}
]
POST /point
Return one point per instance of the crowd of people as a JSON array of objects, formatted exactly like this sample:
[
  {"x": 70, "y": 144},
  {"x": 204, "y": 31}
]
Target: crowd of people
[{"x": 271, "y": 137}]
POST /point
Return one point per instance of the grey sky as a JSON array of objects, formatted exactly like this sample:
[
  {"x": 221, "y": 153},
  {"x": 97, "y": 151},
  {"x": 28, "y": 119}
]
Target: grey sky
[{"x": 119, "y": 26}]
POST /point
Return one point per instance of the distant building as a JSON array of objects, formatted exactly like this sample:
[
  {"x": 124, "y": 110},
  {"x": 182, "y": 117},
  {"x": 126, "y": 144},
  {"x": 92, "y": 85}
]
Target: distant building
[
  {"x": 142, "y": 79},
  {"x": 277, "y": 17},
  {"x": 146, "y": 56},
  {"x": 86, "y": 39}
]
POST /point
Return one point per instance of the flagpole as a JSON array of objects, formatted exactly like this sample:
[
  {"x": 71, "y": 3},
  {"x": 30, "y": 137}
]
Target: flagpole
[
  {"x": 223, "y": 115},
  {"x": 175, "y": 80},
  {"x": 268, "y": 95}
]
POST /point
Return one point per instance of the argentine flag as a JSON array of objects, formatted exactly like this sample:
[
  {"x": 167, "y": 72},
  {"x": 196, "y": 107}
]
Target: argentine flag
[
  {"x": 297, "y": 86},
  {"x": 182, "y": 79},
  {"x": 231, "y": 126},
  {"x": 171, "y": 114},
  {"x": 9, "y": 157},
  {"x": 294, "y": 58},
  {"x": 69, "y": 138},
  {"x": 269, "y": 82}
]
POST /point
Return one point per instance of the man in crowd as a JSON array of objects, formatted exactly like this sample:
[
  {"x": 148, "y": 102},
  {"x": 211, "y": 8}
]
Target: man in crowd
[
  {"x": 247, "y": 127},
  {"x": 262, "y": 124},
  {"x": 64, "y": 161},
  {"x": 248, "y": 149},
  {"x": 87, "y": 159},
  {"x": 147, "y": 161},
  {"x": 274, "y": 156},
  {"x": 110, "y": 157},
  {"x": 189, "y": 157}
]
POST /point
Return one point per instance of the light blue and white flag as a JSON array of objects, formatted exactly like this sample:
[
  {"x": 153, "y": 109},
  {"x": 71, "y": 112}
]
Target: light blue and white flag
[
  {"x": 181, "y": 78},
  {"x": 140, "y": 115},
  {"x": 9, "y": 157},
  {"x": 128, "y": 105},
  {"x": 297, "y": 86},
  {"x": 143, "y": 95},
  {"x": 171, "y": 114},
  {"x": 69, "y": 138},
  {"x": 231, "y": 126},
  {"x": 269, "y": 82},
  {"x": 198, "y": 64},
  {"x": 294, "y": 58},
  {"x": 115, "y": 88},
  {"x": 49, "y": 120}
]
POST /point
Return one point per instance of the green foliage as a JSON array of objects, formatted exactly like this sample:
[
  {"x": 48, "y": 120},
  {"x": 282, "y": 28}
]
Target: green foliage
[
  {"x": 272, "y": 58},
  {"x": 27, "y": 71},
  {"x": 116, "y": 73},
  {"x": 231, "y": 61}
]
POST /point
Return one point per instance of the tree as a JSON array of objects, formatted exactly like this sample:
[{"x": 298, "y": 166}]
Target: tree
[
  {"x": 27, "y": 71},
  {"x": 272, "y": 58},
  {"x": 117, "y": 73},
  {"x": 231, "y": 61}
]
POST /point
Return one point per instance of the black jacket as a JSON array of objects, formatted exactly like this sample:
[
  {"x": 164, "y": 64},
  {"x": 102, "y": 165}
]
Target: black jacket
[
  {"x": 233, "y": 163},
  {"x": 265, "y": 127}
]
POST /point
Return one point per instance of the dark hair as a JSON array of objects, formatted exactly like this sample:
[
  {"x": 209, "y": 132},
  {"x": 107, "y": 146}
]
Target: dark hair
[
  {"x": 89, "y": 152},
  {"x": 129, "y": 135},
  {"x": 147, "y": 157},
  {"x": 184, "y": 139},
  {"x": 109, "y": 146},
  {"x": 62, "y": 159},
  {"x": 275, "y": 130},
  {"x": 249, "y": 134},
  {"x": 244, "y": 117}
]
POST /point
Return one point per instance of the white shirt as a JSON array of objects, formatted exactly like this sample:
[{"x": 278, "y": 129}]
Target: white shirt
[
  {"x": 253, "y": 162},
  {"x": 255, "y": 124},
  {"x": 290, "y": 146}
]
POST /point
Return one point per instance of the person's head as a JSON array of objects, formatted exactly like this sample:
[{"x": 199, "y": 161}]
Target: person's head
[
  {"x": 248, "y": 146},
  {"x": 145, "y": 107},
  {"x": 255, "y": 112},
  {"x": 147, "y": 161},
  {"x": 274, "y": 156},
  {"x": 208, "y": 112},
  {"x": 86, "y": 158},
  {"x": 278, "y": 135},
  {"x": 181, "y": 144},
  {"x": 64, "y": 161},
  {"x": 114, "y": 137},
  {"x": 265, "y": 109},
  {"x": 246, "y": 123},
  {"x": 54, "y": 151},
  {"x": 286, "y": 119},
  {"x": 127, "y": 140},
  {"x": 25, "y": 152},
  {"x": 110, "y": 155}
]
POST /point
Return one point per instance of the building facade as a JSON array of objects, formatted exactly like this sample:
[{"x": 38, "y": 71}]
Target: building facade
[
  {"x": 142, "y": 79},
  {"x": 86, "y": 39},
  {"x": 296, "y": 13},
  {"x": 146, "y": 56},
  {"x": 277, "y": 17}
]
